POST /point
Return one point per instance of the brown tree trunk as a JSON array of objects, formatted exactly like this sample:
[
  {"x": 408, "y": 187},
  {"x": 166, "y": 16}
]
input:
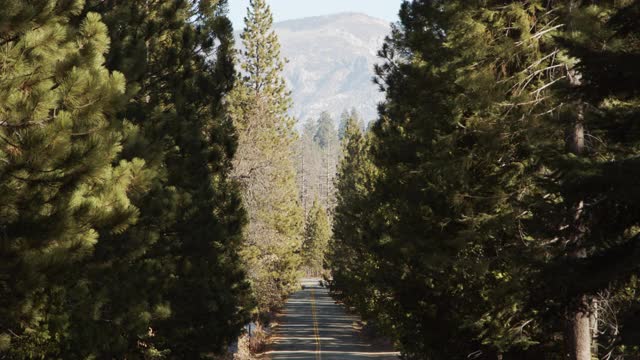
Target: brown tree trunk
[
  {"x": 594, "y": 328},
  {"x": 579, "y": 330},
  {"x": 578, "y": 333}
]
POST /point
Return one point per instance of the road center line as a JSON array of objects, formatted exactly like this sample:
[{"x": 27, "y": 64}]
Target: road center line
[{"x": 316, "y": 330}]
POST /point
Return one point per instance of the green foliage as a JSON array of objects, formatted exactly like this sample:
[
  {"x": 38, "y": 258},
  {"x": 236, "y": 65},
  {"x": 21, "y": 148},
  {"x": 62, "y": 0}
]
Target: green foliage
[
  {"x": 261, "y": 62},
  {"x": 353, "y": 267},
  {"x": 456, "y": 157},
  {"x": 486, "y": 219},
  {"x": 603, "y": 42},
  {"x": 263, "y": 164},
  {"x": 345, "y": 117},
  {"x": 325, "y": 134},
  {"x": 491, "y": 208},
  {"x": 457, "y": 164},
  {"x": 316, "y": 237},
  {"x": 185, "y": 290},
  {"x": 120, "y": 225},
  {"x": 61, "y": 182}
]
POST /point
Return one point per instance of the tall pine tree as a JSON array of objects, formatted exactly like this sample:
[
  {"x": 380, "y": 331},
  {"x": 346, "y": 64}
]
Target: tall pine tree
[
  {"x": 264, "y": 164},
  {"x": 326, "y": 138},
  {"x": 592, "y": 209},
  {"x": 457, "y": 150},
  {"x": 172, "y": 285},
  {"x": 351, "y": 264},
  {"x": 308, "y": 165}
]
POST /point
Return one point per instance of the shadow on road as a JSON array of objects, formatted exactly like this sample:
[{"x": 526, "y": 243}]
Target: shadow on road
[{"x": 313, "y": 326}]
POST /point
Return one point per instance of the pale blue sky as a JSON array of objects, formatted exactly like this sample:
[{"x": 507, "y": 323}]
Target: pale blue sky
[{"x": 294, "y": 9}]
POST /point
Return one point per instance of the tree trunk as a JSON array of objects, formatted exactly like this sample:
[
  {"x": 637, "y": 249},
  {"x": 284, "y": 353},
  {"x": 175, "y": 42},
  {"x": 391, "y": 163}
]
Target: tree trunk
[
  {"x": 580, "y": 330},
  {"x": 578, "y": 334},
  {"x": 594, "y": 328}
]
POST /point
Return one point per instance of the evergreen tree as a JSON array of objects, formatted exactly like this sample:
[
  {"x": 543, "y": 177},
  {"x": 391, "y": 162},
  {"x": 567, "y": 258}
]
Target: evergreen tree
[
  {"x": 504, "y": 150},
  {"x": 317, "y": 165},
  {"x": 310, "y": 128},
  {"x": 352, "y": 265},
  {"x": 490, "y": 213},
  {"x": 308, "y": 166},
  {"x": 596, "y": 213},
  {"x": 171, "y": 285},
  {"x": 325, "y": 135},
  {"x": 264, "y": 164},
  {"x": 344, "y": 120},
  {"x": 316, "y": 238},
  {"x": 342, "y": 126},
  {"x": 326, "y": 138},
  {"x": 61, "y": 185},
  {"x": 456, "y": 149}
]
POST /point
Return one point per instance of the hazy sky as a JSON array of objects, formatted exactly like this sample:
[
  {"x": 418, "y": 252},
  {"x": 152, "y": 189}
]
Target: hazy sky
[{"x": 293, "y": 9}]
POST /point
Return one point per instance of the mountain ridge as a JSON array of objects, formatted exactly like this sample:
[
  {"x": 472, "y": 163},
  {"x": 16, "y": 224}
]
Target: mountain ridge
[{"x": 330, "y": 63}]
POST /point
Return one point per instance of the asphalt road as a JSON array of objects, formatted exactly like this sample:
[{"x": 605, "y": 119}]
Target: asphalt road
[{"x": 313, "y": 326}]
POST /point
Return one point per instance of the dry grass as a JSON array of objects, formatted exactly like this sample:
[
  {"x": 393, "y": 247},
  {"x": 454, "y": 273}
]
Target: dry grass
[{"x": 249, "y": 348}]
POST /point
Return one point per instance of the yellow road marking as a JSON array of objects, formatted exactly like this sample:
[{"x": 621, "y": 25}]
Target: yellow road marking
[{"x": 316, "y": 331}]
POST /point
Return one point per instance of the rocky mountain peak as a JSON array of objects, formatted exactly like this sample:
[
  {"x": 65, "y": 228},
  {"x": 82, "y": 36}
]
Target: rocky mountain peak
[{"x": 331, "y": 60}]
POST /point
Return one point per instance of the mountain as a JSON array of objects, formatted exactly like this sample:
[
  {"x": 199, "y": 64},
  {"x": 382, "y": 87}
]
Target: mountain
[{"x": 331, "y": 61}]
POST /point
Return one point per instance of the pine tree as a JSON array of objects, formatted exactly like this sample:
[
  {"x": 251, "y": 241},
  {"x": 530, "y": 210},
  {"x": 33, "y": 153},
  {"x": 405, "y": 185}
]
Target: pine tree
[
  {"x": 316, "y": 238},
  {"x": 172, "y": 284},
  {"x": 316, "y": 164},
  {"x": 504, "y": 154},
  {"x": 344, "y": 120},
  {"x": 326, "y": 138},
  {"x": 457, "y": 152},
  {"x": 325, "y": 135},
  {"x": 264, "y": 163},
  {"x": 596, "y": 209},
  {"x": 61, "y": 184},
  {"x": 351, "y": 264},
  {"x": 308, "y": 166}
]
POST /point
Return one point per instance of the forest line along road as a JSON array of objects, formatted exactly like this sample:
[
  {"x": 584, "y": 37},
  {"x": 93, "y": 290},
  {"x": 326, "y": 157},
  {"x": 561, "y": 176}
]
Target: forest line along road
[{"x": 312, "y": 326}]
